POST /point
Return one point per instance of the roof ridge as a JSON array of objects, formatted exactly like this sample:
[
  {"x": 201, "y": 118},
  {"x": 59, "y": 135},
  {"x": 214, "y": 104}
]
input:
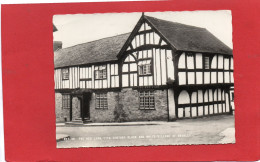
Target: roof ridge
[
  {"x": 94, "y": 41},
  {"x": 174, "y": 22}
]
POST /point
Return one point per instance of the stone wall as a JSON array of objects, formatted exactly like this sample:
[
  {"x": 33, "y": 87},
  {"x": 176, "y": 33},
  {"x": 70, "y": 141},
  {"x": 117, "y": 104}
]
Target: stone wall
[
  {"x": 61, "y": 114},
  {"x": 130, "y": 101},
  {"x": 124, "y": 106},
  {"x": 104, "y": 115}
]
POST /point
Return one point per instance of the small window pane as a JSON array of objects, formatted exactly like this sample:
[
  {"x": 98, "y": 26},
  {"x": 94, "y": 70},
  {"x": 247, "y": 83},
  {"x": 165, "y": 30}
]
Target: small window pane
[
  {"x": 65, "y": 74},
  {"x": 206, "y": 62},
  {"x": 65, "y": 101},
  {"x": 101, "y": 101},
  {"x": 147, "y": 100}
]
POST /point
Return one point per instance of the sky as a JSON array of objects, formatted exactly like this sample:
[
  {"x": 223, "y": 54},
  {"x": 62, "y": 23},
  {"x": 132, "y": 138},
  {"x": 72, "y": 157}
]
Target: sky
[{"x": 81, "y": 28}]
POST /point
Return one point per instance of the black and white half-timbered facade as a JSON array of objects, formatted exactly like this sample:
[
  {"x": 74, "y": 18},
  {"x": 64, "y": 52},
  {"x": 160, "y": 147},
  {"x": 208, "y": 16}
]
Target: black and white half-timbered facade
[{"x": 162, "y": 70}]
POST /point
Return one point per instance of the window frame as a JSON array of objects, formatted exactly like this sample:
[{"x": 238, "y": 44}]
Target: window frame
[
  {"x": 66, "y": 101},
  {"x": 99, "y": 70},
  {"x": 65, "y": 77},
  {"x": 204, "y": 62},
  {"x": 147, "y": 66},
  {"x": 143, "y": 99},
  {"x": 101, "y": 99}
]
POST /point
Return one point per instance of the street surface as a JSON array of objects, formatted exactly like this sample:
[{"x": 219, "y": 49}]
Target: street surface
[{"x": 210, "y": 130}]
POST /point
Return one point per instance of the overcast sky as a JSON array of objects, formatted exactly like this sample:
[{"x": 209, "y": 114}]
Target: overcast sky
[{"x": 81, "y": 28}]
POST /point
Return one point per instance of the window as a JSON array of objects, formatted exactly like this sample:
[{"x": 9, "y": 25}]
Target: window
[
  {"x": 206, "y": 62},
  {"x": 101, "y": 101},
  {"x": 145, "y": 67},
  {"x": 65, "y": 101},
  {"x": 101, "y": 72},
  {"x": 65, "y": 74},
  {"x": 147, "y": 100}
]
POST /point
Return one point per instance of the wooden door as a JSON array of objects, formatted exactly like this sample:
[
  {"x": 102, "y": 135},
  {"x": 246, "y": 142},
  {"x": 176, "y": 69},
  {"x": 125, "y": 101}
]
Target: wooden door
[{"x": 85, "y": 113}]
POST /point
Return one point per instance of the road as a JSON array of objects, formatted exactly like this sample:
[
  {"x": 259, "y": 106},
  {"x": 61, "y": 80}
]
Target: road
[{"x": 210, "y": 130}]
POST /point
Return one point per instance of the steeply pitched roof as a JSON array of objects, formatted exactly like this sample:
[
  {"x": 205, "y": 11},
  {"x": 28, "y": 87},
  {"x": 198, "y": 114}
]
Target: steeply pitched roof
[
  {"x": 101, "y": 50},
  {"x": 189, "y": 38},
  {"x": 180, "y": 36}
]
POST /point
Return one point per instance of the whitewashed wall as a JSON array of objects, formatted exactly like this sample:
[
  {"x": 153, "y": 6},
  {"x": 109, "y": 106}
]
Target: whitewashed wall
[
  {"x": 202, "y": 103},
  {"x": 83, "y": 77},
  {"x": 160, "y": 59},
  {"x": 220, "y": 69}
]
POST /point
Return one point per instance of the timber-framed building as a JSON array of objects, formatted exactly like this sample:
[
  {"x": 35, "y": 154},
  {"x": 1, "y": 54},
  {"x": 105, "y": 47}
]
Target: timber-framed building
[{"x": 162, "y": 70}]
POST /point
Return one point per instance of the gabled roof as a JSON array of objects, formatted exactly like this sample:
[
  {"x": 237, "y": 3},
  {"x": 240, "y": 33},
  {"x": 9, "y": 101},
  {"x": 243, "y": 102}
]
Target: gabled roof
[
  {"x": 188, "y": 38},
  {"x": 179, "y": 36},
  {"x": 101, "y": 50}
]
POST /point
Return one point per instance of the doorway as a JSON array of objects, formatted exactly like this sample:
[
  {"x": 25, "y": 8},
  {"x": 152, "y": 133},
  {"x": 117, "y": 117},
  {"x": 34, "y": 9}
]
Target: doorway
[{"x": 85, "y": 106}]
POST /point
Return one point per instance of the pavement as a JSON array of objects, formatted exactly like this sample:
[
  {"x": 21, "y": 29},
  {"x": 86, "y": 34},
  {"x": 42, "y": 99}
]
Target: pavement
[
  {"x": 208, "y": 130},
  {"x": 112, "y": 124}
]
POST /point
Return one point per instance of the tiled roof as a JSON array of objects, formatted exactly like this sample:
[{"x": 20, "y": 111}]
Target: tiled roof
[
  {"x": 101, "y": 50},
  {"x": 189, "y": 38}
]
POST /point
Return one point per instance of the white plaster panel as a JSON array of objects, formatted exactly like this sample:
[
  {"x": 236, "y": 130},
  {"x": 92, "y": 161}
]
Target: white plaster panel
[
  {"x": 190, "y": 62},
  {"x": 180, "y": 112},
  {"x": 170, "y": 65},
  {"x": 206, "y": 77},
  {"x": 200, "y": 108},
  {"x": 227, "y": 78},
  {"x": 199, "y": 77},
  {"x": 206, "y": 110},
  {"x": 226, "y": 64},
  {"x": 182, "y": 61},
  {"x": 194, "y": 111},
  {"x": 220, "y": 77},
  {"x": 194, "y": 97},
  {"x": 220, "y": 61},
  {"x": 191, "y": 78},
  {"x": 187, "y": 112},
  {"x": 163, "y": 66},
  {"x": 232, "y": 78},
  {"x": 125, "y": 68},
  {"x": 213, "y": 77},
  {"x": 199, "y": 61},
  {"x": 184, "y": 98},
  {"x": 171, "y": 104},
  {"x": 214, "y": 62},
  {"x": 182, "y": 78},
  {"x": 156, "y": 38},
  {"x": 200, "y": 96}
]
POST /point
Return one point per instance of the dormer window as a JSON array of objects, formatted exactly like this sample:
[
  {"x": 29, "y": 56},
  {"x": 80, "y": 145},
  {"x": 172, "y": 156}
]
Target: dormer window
[
  {"x": 206, "y": 62},
  {"x": 101, "y": 72},
  {"x": 65, "y": 74}
]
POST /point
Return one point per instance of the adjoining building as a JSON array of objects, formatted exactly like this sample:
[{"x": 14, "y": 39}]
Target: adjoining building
[{"x": 162, "y": 70}]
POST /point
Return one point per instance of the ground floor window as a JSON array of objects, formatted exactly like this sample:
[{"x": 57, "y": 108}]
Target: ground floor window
[
  {"x": 146, "y": 100},
  {"x": 101, "y": 101},
  {"x": 65, "y": 101}
]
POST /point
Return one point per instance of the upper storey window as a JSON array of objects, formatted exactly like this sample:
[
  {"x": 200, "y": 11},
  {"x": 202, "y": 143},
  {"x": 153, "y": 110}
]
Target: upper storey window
[
  {"x": 65, "y": 74},
  {"x": 145, "y": 67},
  {"x": 206, "y": 62},
  {"x": 101, "y": 72}
]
